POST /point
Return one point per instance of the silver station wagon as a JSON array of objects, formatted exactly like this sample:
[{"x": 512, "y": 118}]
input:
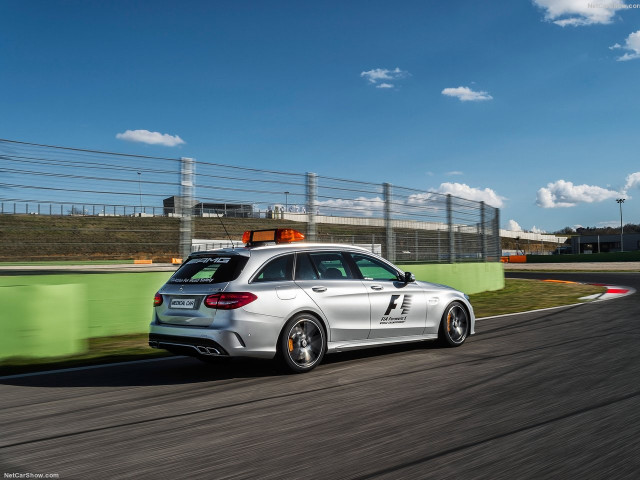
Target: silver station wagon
[{"x": 280, "y": 297}]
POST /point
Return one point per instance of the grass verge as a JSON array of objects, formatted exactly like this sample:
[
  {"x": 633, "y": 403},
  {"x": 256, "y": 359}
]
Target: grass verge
[
  {"x": 517, "y": 296},
  {"x": 521, "y": 295}
]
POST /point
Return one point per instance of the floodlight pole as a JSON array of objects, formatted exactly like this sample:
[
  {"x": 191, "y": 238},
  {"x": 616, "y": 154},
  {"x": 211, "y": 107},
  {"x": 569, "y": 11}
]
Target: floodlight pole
[
  {"x": 620, "y": 202},
  {"x": 140, "y": 190},
  {"x": 286, "y": 201}
]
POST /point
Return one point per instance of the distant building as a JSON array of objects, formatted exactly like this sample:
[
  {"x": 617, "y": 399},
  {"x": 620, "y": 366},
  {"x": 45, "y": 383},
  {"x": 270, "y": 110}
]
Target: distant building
[
  {"x": 202, "y": 209},
  {"x": 604, "y": 243}
]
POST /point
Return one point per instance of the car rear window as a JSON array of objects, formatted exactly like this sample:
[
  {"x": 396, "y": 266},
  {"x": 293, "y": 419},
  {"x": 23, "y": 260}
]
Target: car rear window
[{"x": 213, "y": 269}]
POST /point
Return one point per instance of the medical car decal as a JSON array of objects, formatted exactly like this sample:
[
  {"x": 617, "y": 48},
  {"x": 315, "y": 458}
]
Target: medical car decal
[{"x": 397, "y": 310}]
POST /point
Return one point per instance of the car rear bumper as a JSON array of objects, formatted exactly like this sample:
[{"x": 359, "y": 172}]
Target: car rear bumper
[{"x": 210, "y": 342}]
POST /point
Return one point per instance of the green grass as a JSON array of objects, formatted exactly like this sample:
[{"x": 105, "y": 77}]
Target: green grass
[
  {"x": 523, "y": 295},
  {"x": 517, "y": 296}
]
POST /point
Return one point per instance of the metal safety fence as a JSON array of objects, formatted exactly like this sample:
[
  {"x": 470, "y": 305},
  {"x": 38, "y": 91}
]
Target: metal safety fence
[{"x": 70, "y": 203}]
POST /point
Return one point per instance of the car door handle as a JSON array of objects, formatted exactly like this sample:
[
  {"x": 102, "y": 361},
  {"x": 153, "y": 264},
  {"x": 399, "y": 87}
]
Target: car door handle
[
  {"x": 319, "y": 289},
  {"x": 377, "y": 287}
]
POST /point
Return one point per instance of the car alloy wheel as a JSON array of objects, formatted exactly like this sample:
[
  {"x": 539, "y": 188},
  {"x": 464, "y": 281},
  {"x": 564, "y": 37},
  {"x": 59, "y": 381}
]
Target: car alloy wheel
[
  {"x": 454, "y": 326},
  {"x": 303, "y": 343}
]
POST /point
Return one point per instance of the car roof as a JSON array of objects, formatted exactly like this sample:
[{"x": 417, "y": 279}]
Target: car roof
[{"x": 280, "y": 248}]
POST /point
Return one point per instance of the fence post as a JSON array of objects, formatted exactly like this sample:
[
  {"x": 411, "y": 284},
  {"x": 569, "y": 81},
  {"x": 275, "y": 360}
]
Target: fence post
[
  {"x": 388, "y": 225},
  {"x": 187, "y": 174},
  {"x": 312, "y": 202},
  {"x": 483, "y": 232},
  {"x": 452, "y": 243},
  {"x": 496, "y": 232}
]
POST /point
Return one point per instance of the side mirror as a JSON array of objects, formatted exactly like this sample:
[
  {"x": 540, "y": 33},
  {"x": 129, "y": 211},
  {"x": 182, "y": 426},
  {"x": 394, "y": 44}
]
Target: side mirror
[{"x": 409, "y": 277}]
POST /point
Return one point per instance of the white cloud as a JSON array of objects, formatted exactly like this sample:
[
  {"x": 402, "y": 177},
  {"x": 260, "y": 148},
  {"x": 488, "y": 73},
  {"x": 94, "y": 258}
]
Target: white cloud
[
  {"x": 632, "y": 44},
  {"x": 565, "y": 194},
  {"x": 514, "y": 226},
  {"x": 382, "y": 77},
  {"x": 633, "y": 181},
  {"x": 152, "y": 138},
  {"x": 455, "y": 172},
  {"x": 580, "y": 12},
  {"x": 463, "y": 190},
  {"x": 465, "y": 94},
  {"x": 535, "y": 229}
]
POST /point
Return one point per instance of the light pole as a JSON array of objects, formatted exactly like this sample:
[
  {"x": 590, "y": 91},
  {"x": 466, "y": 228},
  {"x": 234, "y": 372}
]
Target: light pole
[
  {"x": 620, "y": 202},
  {"x": 140, "y": 189},
  {"x": 286, "y": 201}
]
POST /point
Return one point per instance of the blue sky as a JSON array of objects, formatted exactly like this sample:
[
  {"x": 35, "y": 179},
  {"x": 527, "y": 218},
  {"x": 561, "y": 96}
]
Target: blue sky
[{"x": 530, "y": 105}]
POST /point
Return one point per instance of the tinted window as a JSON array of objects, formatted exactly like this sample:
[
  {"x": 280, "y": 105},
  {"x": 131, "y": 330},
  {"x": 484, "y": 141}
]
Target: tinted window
[
  {"x": 330, "y": 265},
  {"x": 213, "y": 269},
  {"x": 373, "y": 269},
  {"x": 276, "y": 270},
  {"x": 304, "y": 268}
]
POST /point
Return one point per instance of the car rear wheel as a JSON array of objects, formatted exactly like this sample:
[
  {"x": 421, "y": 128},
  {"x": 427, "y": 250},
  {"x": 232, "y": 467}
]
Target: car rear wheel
[
  {"x": 454, "y": 326},
  {"x": 302, "y": 343}
]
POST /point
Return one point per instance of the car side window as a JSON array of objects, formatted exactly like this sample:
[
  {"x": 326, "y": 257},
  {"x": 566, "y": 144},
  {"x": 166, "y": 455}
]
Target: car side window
[
  {"x": 304, "y": 268},
  {"x": 331, "y": 265},
  {"x": 276, "y": 270},
  {"x": 373, "y": 269}
]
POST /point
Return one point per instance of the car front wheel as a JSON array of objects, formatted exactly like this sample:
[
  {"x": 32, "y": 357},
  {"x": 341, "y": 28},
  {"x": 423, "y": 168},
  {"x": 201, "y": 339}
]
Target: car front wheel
[
  {"x": 454, "y": 326},
  {"x": 302, "y": 343}
]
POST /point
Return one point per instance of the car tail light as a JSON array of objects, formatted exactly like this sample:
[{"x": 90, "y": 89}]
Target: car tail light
[
  {"x": 157, "y": 300},
  {"x": 229, "y": 301}
]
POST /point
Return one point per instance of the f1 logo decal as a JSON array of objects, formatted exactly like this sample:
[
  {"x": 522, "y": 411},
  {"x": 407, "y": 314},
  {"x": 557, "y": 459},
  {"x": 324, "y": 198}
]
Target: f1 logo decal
[{"x": 403, "y": 300}]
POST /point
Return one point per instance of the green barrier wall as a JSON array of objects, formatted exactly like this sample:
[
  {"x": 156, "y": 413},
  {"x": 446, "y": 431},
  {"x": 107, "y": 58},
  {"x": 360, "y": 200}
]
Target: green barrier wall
[
  {"x": 42, "y": 320},
  {"x": 53, "y": 315},
  {"x": 466, "y": 277}
]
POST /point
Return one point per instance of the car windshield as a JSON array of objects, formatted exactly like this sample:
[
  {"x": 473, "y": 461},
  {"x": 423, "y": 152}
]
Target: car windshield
[{"x": 213, "y": 269}]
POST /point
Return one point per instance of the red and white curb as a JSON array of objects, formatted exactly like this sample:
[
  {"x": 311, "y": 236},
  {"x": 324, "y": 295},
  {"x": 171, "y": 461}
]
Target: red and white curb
[{"x": 613, "y": 291}]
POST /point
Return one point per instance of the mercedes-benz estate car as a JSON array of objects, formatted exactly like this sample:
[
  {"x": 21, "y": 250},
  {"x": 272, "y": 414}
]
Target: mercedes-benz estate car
[{"x": 280, "y": 297}]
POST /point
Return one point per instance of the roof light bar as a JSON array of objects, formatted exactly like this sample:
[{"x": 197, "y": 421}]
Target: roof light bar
[{"x": 277, "y": 235}]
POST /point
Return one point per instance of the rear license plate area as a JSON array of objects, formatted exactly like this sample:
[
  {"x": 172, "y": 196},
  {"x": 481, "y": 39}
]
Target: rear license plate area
[{"x": 183, "y": 303}]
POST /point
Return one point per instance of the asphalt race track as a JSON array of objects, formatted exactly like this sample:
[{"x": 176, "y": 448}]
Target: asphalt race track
[{"x": 553, "y": 394}]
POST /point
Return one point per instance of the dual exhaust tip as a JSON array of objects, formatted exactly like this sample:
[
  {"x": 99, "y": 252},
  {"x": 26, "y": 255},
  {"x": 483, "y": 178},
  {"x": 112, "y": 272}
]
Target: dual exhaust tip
[{"x": 207, "y": 350}]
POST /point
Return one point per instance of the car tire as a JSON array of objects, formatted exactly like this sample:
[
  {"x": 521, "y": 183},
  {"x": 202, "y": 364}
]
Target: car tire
[
  {"x": 302, "y": 343},
  {"x": 454, "y": 326}
]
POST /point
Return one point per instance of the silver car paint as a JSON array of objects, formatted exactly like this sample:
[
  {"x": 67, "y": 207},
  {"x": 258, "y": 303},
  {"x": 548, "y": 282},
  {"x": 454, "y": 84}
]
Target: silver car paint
[{"x": 351, "y": 319}]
